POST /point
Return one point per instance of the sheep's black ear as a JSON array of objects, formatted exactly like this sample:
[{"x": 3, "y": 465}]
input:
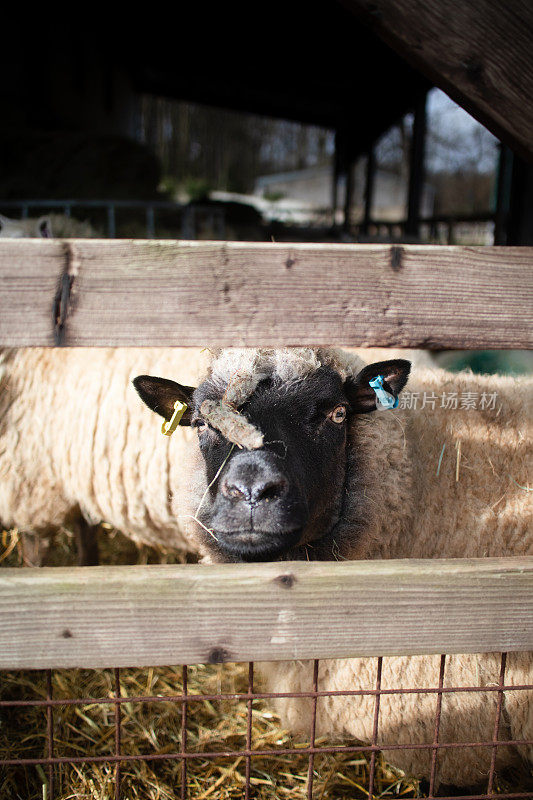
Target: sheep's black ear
[
  {"x": 160, "y": 394},
  {"x": 44, "y": 227},
  {"x": 362, "y": 396}
]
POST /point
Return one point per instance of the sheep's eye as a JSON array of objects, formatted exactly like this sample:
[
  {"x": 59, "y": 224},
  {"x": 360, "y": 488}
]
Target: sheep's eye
[
  {"x": 338, "y": 414},
  {"x": 200, "y": 425}
]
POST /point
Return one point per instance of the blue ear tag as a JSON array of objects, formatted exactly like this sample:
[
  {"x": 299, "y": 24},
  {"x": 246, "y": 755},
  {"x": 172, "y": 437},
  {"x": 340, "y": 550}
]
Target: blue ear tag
[{"x": 384, "y": 400}]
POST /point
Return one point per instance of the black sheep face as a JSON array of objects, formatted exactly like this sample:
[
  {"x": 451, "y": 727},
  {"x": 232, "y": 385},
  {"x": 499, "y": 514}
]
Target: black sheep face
[{"x": 273, "y": 502}]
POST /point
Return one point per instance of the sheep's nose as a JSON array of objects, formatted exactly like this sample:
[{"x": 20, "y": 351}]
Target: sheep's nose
[{"x": 253, "y": 489}]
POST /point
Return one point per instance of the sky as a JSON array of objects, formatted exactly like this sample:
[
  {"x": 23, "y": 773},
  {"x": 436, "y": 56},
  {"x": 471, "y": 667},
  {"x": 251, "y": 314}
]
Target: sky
[{"x": 455, "y": 139}]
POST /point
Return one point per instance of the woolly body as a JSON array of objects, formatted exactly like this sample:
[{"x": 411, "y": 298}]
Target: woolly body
[
  {"x": 74, "y": 438},
  {"x": 477, "y": 505}
]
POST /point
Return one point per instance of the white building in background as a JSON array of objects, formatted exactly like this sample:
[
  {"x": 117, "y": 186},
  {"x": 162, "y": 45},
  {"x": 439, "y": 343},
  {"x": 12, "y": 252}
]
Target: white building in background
[{"x": 312, "y": 188}]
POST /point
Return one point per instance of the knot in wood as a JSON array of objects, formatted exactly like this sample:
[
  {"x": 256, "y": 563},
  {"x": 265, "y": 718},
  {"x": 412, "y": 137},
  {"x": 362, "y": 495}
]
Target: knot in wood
[{"x": 287, "y": 581}]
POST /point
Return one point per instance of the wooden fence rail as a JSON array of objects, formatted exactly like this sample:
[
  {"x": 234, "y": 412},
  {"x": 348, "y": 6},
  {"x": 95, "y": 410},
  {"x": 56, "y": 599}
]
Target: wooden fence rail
[
  {"x": 159, "y": 615},
  {"x": 167, "y": 293}
]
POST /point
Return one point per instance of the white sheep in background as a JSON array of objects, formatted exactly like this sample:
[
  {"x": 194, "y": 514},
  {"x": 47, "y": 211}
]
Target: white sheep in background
[
  {"x": 426, "y": 482},
  {"x": 49, "y": 226}
]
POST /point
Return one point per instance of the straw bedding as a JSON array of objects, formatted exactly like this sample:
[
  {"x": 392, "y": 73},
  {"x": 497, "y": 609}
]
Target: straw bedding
[{"x": 156, "y": 727}]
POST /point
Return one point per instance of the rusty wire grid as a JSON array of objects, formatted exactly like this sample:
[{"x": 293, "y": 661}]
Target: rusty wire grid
[{"x": 183, "y": 756}]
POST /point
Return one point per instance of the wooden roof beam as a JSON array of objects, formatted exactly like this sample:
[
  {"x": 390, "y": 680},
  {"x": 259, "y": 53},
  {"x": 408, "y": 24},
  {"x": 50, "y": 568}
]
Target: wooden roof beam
[{"x": 479, "y": 53}]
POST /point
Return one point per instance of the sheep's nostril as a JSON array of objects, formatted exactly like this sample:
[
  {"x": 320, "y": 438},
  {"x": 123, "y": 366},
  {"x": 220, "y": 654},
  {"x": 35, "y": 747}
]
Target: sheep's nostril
[
  {"x": 270, "y": 490},
  {"x": 234, "y": 492},
  {"x": 254, "y": 492}
]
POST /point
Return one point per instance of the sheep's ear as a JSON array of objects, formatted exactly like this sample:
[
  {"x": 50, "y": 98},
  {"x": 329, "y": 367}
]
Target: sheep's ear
[
  {"x": 160, "y": 394},
  {"x": 44, "y": 227},
  {"x": 362, "y": 396}
]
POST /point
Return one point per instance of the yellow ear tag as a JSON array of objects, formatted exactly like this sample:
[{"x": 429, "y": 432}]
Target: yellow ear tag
[{"x": 169, "y": 427}]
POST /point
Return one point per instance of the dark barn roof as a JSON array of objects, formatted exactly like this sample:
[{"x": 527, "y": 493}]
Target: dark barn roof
[
  {"x": 356, "y": 65},
  {"x": 311, "y": 63},
  {"x": 314, "y": 63},
  {"x": 350, "y": 65}
]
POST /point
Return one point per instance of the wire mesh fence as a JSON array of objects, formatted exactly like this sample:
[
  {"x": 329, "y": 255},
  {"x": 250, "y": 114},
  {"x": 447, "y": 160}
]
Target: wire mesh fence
[
  {"x": 152, "y": 219},
  {"x": 39, "y": 710}
]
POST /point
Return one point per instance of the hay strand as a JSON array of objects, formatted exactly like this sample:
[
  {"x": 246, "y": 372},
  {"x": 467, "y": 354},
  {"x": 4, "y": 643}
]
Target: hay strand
[{"x": 440, "y": 459}]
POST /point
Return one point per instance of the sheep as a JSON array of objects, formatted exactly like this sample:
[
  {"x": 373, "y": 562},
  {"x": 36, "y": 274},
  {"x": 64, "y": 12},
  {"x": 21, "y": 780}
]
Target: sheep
[
  {"x": 76, "y": 447},
  {"x": 34, "y": 496},
  {"x": 334, "y": 478},
  {"x": 46, "y": 227}
]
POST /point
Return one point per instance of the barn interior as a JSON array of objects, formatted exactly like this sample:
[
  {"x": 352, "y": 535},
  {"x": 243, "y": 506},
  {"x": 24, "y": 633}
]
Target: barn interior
[{"x": 73, "y": 97}]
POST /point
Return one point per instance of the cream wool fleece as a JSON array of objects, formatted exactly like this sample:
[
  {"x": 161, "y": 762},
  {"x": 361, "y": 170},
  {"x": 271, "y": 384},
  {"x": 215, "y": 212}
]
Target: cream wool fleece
[{"x": 74, "y": 436}]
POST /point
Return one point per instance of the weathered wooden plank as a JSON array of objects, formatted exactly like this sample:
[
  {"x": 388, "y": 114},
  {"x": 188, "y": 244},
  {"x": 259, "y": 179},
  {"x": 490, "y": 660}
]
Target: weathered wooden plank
[
  {"x": 473, "y": 51},
  {"x": 140, "y": 616},
  {"x": 226, "y": 293},
  {"x": 29, "y": 283}
]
